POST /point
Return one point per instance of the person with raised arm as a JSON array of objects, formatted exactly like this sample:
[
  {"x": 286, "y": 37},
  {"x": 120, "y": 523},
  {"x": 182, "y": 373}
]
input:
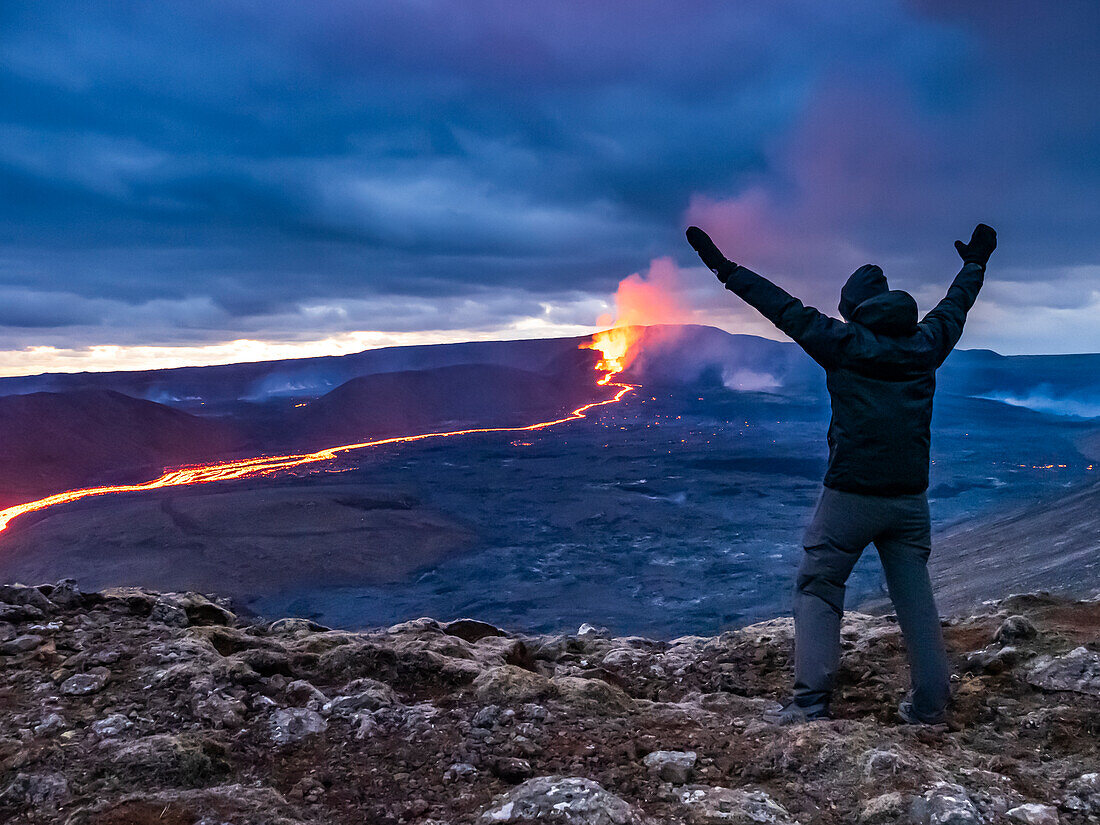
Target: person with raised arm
[{"x": 880, "y": 367}]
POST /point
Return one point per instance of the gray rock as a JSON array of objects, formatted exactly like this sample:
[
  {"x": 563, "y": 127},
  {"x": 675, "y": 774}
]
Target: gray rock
[
  {"x": 111, "y": 726},
  {"x": 48, "y": 789},
  {"x": 508, "y": 684},
  {"x": 296, "y": 627},
  {"x": 1083, "y": 794},
  {"x": 20, "y": 594},
  {"x": 531, "y": 710},
  {"x": 66, "y": 594},
  {"x": 1077, "y": 671},
  {"x": 993, "y": 660},
  {"x": 165, "y": 758},
  {"x": 21, "y": 644},
  {"x": 732, "y": 806},
  {"x": 886, "y": 809},
  {"x": 294, "y": 724},
  {"x": 220, "y": 711},
  {"x": 304, "y": 694},
  {"x": 365, "y": 724},
  {"x": 950, "y": 804},
  {"x": 593, "y": 695},
  {"x": 624, "y": 657},
  {"x": 568, "y": 800},
  {"x": 82, "y": 684},
  {"x": 461, "y": 769},
  {"x": 1015, "y": 628},
  {"x": 199, "y": 609},
  {"x": 1033, "y": 813},
  {"x": 882, "y": 762},
  {"x": 671, "y": 766},
  {"x": 16, "y": 613},
  {"x": 52, "y": 724},
  {"x": 486, "y": 717},
  {"x": 169, "y": 613},
  {"x": 361, "y": 694}
]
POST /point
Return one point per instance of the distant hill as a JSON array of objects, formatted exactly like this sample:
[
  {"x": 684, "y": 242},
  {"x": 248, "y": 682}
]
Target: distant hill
[
  {"x": 297, "y": 377},
  {"x": 57, "y": 441},
  {"x": 671, "y": 355}
]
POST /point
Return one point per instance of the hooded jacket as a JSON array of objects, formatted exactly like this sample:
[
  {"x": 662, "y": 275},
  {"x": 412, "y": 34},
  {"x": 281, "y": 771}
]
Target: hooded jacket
[{"x": 880, "y": 368}]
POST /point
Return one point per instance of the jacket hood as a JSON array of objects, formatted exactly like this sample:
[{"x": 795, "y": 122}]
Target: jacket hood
[
  {"x": 866, "y": 282},
  {"x": 892, "y": 313}
]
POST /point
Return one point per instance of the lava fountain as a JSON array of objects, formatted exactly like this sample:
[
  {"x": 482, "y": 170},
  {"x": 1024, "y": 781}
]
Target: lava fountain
[{"x": 640, "y": 300}]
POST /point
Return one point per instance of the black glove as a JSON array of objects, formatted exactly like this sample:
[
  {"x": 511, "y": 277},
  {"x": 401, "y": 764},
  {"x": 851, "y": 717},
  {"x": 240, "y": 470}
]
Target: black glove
[
  {"x": 981, "y": 246},
  {"x": 712, "y": 256}
]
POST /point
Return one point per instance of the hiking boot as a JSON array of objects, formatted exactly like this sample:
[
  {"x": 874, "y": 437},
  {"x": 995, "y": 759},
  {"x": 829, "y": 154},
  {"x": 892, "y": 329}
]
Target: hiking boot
[
  {"x": 793, "y": 714},
  {"x": 905, "y": 712}
]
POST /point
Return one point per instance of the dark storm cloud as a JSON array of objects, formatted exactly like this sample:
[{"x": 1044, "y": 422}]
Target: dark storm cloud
[{"x": 200, "y": 171}]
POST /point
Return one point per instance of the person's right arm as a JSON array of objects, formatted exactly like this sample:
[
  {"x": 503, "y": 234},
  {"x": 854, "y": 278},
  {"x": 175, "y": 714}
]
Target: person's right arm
[
  {"x": 945, "y": 321},
  {"x": 818, "y": 334}
]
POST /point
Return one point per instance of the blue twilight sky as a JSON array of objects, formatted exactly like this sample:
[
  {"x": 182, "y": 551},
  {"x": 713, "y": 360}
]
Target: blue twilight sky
[{"x": 186, "y": 182}]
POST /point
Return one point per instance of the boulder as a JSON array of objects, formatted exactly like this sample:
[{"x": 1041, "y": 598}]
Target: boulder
[
  {"x": 38, "y": 789},
  {"x": 885, "y": 809},
  {"x": 1015, "y": 628},
  {"x": 705, "y": 805},
  {"x": 471, "y": 629},
  {"x": 82, "y": 684},
  {"x": 594, "y": 695},
  {"x": 671, "y": 766},
  {"x": 1077, "y": 671},
  {"x": 21, "y": 644},
  {"x": 290, "y": 725},
  {"x": 568, "y": 800},
  {"x": 1033, "y": 813},
  {"x": 511, "y": 685},
  {"x": 199, "y": 609},
  {"x": 949, "y": 804},
  {"x": 164, "y": 758},
  {"x": 111, "y": 726}
]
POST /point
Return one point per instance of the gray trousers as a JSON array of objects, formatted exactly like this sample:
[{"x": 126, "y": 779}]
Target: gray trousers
[{"x": 842, "y": 526}]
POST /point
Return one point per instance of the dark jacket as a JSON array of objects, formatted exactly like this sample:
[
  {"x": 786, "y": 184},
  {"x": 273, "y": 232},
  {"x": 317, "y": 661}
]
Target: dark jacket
[{"x": 880, "y": 368}]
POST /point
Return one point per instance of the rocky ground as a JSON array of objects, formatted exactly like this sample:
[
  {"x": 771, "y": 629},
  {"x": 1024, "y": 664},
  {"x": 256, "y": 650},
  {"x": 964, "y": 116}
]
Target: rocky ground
[{"x": 128, "y": 706}]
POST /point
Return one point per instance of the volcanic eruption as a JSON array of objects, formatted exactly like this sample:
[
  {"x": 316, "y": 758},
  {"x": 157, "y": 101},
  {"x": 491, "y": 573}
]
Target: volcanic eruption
[{"x": 639, "y": 300}]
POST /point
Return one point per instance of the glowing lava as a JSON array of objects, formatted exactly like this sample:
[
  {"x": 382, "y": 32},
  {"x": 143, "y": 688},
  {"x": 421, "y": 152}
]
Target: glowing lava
[
  {"x": 615, "y": 345},
  {"x": 610, "y": 365}
]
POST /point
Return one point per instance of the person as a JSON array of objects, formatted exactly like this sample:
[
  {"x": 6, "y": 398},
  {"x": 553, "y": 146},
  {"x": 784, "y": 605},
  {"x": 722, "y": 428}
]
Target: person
[{"x": 880, "y": 368}]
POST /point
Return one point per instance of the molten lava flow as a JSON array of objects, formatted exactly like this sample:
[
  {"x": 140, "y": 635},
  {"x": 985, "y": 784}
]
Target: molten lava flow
[
  {"x": 269, "y": 465},
  {"x": 639, "y": 300}
]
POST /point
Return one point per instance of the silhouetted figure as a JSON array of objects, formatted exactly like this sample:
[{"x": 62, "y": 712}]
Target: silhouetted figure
[{"x": 880, "y": 367}]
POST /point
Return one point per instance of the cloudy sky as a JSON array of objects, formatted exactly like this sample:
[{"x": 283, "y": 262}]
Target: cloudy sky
[{"x": 192, "y": 182}]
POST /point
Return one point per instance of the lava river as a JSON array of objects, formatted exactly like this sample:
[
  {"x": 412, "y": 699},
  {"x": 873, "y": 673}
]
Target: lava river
[{"x": 612, "y": 344}]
